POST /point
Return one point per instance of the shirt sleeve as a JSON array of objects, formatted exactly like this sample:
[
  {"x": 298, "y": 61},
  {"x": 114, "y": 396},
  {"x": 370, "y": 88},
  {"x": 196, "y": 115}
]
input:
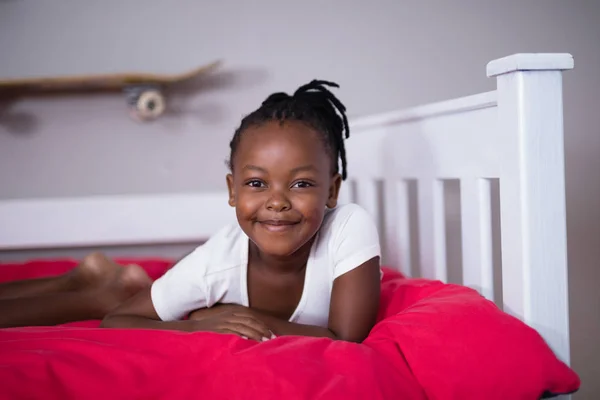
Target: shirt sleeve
[
  {"x": 182, "y": 289},
  {"x": 356, "y": 240}
]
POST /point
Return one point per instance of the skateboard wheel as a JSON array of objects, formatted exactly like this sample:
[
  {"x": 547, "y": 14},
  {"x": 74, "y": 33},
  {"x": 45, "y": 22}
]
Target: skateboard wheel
[{"x": 149, "y": 105}]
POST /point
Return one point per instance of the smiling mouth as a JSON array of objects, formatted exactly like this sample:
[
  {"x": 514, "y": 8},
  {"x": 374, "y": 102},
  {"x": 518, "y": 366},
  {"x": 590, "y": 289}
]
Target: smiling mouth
[{"x": 275, "y": 225}]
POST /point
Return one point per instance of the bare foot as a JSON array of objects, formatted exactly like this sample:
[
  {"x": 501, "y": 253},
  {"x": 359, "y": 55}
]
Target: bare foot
[
  {"x": 109, "y": 283},
  {"x": 129, "y": 280},
  {"x": 132, "y": 279},
  {"x": 95, "y": 270}
]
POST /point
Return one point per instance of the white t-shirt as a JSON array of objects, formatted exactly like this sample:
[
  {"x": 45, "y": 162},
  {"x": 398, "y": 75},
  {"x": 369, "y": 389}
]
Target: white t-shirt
[{"x": 216, "y": 272}]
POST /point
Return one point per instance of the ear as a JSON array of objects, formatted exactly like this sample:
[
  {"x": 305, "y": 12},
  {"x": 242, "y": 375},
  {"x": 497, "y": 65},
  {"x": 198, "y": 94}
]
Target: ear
[
  {"x": 334, "y": 190},
  {"x": 231, "y": 190}
]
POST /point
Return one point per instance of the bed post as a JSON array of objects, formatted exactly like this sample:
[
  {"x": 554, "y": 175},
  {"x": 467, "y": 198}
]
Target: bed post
[{"x": 532, "y": 190}]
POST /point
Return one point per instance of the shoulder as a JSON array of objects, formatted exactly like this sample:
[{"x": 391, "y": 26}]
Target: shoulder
[
  {"x": 347, "y": 219},
  {"x": 350, "y": 235},
  {"x": 221, "y": 252},
  {"x": 200, "y": 277}
]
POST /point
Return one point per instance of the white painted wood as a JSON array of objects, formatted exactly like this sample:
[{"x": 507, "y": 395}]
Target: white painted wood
[
  {"x": 112, "y": 220},
  {"x": 403, "y": 227},
  {"x": 368, "y": 197},
  {"x": 363, "y": 152},
  {"x": 476, "y": 225},
  {"x": 396, "y": 238},
  {"x": 534, "y": 251},
  {"x": 439, "y": 232},
  {"x": 530, "y": 62},
  {"x": 345, "y": 194},
  {"x": 427, "y": 111},
  {"x": 432, "y": 234},
  {"x": 368, "y": 149},
  {"x": 426, "y": 229},
  {"x": 467, "y": 144}
]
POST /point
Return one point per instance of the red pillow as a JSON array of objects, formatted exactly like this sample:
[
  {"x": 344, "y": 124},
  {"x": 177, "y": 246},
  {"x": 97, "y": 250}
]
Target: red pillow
[
  {"x": 461, "y": 346},
  {"x": 457, "y": 344}
]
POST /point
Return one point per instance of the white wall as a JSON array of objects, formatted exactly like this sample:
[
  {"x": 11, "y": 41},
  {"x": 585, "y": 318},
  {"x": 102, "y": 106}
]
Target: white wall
[{"x": 385, "y": 54}]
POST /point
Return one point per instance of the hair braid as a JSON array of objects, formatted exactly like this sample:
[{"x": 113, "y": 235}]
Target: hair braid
[{"x": 312, "y": 104}]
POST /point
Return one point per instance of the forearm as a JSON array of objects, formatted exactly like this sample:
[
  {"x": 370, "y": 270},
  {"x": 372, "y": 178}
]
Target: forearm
[
  {"x": 284, "y": 328},
  {"x": 278, "y": 326},
  {"x": 138, "y": 322}
]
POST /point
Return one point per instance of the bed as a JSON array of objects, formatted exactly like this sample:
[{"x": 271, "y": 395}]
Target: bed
[{"x": 469, "y": 198}]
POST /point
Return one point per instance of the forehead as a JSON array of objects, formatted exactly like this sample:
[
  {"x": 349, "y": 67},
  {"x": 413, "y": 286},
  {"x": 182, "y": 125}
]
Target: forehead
[{"x": 289, "y": 143}]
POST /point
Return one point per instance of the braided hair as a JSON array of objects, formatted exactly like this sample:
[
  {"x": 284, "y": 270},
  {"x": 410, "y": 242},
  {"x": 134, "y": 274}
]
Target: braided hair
[{"x": 312, "y": 104}]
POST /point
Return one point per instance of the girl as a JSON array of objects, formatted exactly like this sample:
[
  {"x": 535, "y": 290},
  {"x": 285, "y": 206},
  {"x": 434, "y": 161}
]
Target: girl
[{"x": 296, "y": 263}]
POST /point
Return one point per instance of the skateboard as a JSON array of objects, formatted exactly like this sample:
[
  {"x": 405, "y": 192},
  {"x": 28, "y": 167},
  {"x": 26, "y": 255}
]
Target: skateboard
[{"x": 144, "y": 92}]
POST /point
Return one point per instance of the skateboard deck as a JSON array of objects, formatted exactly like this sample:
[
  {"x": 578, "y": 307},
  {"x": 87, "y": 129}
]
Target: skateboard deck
[{"x": 144, "y": 91}]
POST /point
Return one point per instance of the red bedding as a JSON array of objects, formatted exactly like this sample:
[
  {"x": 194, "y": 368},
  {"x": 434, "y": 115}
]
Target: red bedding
[{"x": 430, "y": 342}]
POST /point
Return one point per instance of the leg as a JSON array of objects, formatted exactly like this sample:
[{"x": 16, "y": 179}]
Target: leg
[
  {"x": 35, "y": 287},
  {"x": 89, "y": 291}
]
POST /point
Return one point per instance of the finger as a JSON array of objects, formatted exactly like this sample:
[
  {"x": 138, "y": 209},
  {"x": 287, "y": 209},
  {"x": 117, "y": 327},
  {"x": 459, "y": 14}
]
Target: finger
[
  {"x": 245, "y": 330},
  {"x": 229, "y": 331},
  {"x": 251, "y": 318},
  {"x": 242, "y": 331},
  {"x": 254, "y": 323}
]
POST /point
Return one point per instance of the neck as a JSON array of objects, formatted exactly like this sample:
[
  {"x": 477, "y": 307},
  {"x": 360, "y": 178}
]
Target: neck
[{"x": 291, "y": 264}]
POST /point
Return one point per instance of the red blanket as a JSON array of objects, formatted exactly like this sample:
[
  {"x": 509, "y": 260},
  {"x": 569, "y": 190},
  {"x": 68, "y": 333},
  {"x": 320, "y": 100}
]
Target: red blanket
[{"x": 411, "y": 354}]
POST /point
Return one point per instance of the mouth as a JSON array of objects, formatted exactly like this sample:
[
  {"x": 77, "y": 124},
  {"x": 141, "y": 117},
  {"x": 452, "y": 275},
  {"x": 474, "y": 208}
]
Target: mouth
[{"x": 277, "y": 225}]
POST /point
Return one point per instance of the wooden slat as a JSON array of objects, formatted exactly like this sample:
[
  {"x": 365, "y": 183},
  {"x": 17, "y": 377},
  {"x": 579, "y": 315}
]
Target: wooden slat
[
  {"x": 345, "y": 194},
  {"x": 397, "y": 240},
  {"x": 367, "y": 196},
  {"x": 432, "y": 235},
  {"x": 476, "y": 224}
]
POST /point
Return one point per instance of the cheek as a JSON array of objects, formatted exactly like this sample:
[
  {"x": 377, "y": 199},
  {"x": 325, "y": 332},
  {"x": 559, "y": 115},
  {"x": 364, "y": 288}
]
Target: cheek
[
  {"x": 248, "y": 203},
  {"x": 312, "y": 207}
]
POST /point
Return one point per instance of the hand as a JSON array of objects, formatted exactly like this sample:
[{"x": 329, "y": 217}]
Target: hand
[
  {"x": 218, "y": 308},
  {"x": 231, "y": 319}
]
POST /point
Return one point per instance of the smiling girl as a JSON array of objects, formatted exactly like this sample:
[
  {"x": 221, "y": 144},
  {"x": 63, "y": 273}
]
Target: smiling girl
[{"x": 296, "y": 262}]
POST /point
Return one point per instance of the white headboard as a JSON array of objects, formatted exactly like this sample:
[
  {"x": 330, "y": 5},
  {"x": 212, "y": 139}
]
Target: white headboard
[{"x": 511, "y": 138}]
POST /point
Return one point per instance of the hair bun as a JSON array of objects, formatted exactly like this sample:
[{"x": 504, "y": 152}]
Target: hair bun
[
  {"x": 276, "y": 98},
  {"x": 315, "y": 85}
]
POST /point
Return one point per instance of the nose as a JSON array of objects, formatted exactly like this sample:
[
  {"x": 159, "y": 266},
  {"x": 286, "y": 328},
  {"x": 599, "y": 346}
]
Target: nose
[{"x": 278, "y": 202}]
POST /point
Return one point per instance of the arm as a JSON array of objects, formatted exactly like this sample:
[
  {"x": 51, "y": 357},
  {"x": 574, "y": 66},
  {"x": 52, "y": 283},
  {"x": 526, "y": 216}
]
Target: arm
[
  {"x": 163, "y": 305},
  {"x": 171, "y": 297},
  {"x": 139, "y": 313},
  {"x": 281, "y": 327},
  {"x": 353, "y": 309},
  {"x": 354, "y": 304}
]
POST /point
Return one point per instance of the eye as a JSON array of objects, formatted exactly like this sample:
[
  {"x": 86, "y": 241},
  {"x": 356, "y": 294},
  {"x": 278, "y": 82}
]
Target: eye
[
  {"x": 255, "y": 183},
  {"x": 302, "y": 184}
]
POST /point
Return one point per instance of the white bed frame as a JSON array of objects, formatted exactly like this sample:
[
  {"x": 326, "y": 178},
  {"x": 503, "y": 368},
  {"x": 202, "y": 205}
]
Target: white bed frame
[{"x": 513, "y": 135}]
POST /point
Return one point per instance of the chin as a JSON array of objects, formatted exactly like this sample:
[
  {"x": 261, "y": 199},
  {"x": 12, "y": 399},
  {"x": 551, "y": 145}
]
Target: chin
[
  {"x": 277, "y": 248},
  {"x": 281, "y": 241}
]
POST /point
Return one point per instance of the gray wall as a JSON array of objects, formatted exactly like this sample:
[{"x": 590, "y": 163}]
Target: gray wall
[{"x": 385, "y": 54}]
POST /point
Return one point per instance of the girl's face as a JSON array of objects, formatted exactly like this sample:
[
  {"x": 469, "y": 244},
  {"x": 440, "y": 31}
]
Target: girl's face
[{"x": 281, "y": 184}]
